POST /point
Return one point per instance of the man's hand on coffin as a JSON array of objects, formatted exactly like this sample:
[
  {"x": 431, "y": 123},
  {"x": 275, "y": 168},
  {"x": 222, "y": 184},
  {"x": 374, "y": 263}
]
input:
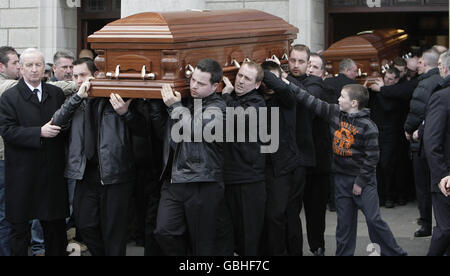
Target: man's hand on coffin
[
  {"x": 228, "y": 86},
  {"x": 118, "y": 104},
  {"x": 169, "y": 96},
  {"x": 83, "y": 92},
  {"x": 49, "y": 130}
]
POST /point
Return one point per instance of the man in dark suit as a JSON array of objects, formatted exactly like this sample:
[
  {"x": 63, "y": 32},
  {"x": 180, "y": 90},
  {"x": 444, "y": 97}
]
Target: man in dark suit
[
  {"x": 34, "y": 153},
  {"x": 437, "y": 148},
  {"x": 348, "y": 70}
]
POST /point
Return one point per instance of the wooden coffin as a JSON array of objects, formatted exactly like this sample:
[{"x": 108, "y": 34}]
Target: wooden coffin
[
  {"x": 140, "y": 53},
  {"x": 372, "y": 51}
]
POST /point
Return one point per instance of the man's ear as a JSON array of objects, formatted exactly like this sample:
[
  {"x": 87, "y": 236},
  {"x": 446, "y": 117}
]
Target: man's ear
[
  {"x": 2, "y": 68},
  {"x": 96, "y": 74},
  {"x": 54, "y": 68},
  {"x": 215, "y": 86},
  {"x": 355, "y": 103},
  {"x": 258, "y": 84}
]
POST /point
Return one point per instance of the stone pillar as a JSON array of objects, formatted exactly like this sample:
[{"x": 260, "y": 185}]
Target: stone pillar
[
  {"x": 309, "y": 17},
  {"x": 130, "y": 7}
]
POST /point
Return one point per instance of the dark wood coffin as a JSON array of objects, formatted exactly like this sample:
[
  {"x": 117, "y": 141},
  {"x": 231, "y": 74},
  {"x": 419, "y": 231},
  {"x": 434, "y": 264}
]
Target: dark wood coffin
[
  {"x": 140, "y": 53},
  {"x": 372, "y": 51}
]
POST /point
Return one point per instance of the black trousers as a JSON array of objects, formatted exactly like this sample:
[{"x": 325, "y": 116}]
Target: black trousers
[
  {"x": 440, "y": 241},
  {"x": 55, "y": 238},
  {"x": 153, "y": 194},
  {"x": 283, "y": 227},
  {"x": 187, "y": 218},
  {"x": 315, "y": 203},
  {"x": 388, "y": 188},
  {"x": 423, "y": 188},
  {"x": 101, "y": 214},
  {"x": 242, "y": 219}
]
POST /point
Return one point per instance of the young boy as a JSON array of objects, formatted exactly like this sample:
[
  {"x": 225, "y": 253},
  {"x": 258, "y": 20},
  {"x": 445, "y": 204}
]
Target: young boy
[{"x": 356, "y": 154}]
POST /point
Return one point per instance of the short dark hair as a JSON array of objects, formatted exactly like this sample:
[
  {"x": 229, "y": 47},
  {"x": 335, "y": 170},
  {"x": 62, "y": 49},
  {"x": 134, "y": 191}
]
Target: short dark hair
[
  {"x": 321, "y": 58},
  {"x": 301, "y": 48},
  {"x": 271, "y": 65},
  {"x": 400, "y": 62},
  {"x": 4, "y": 52},
  {"x": 62, "y": 54},
  {"x": 358, "y": 93},
  {"x": 257, "y": 67},
  {"x": 213, "y": 67},
  {"x": 89, "y": 63},
  {"x": 394, "y": 71}
]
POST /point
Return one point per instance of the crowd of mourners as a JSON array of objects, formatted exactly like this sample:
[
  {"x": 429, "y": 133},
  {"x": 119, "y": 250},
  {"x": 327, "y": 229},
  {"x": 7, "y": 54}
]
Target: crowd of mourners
[{"x": 92, "y": 173}]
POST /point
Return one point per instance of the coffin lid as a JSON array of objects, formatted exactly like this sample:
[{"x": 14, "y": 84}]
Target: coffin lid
[
  {"x": 187, "y": 26},
  {"x": 368, "y": 42}
]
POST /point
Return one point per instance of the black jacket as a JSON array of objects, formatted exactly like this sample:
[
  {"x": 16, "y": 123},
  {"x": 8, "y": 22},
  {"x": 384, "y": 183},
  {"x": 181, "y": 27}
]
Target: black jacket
[
  {"x": 320, "y": 129},
  {"x": 304, "y": 120},
  {"x": 428, "y": 82},
  {"x": 287, "y": 158},
  {"x": 114, "y": 145},
  {"x": 244, "y": 161},
  {"x": 34, "y": 174},
  {"x": 337, "y": 83},
  {"x": 187, "y": 162},
  {"x": 437, "y": 135}
]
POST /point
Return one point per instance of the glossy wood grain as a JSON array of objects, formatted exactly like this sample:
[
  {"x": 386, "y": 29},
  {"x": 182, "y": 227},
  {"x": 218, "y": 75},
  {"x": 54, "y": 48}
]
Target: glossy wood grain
[{"x": 167, "y": 43}]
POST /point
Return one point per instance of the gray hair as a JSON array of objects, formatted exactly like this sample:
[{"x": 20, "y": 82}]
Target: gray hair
[
  {"x": 31, "y": 51},
  {"x": 445, "y": 59},
  {"x": 431, "y": 58},
  {"x": 62, "y": 54},
  {"x": 345, "y": 64}
]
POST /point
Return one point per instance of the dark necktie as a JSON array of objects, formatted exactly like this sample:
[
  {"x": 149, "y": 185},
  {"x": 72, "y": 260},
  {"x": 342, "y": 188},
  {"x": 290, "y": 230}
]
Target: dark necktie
[{"x": 35, "y": 92}]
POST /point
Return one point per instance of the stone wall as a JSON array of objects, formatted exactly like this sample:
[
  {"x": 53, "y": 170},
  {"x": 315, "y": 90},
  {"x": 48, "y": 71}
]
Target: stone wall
[{"x": 49, "y": 25}]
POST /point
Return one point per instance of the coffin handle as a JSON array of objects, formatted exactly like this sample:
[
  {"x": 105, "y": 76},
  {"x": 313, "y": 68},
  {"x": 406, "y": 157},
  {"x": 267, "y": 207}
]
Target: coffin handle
[
  {"x": 115, "y": 74},
  {"x": 235, "y": 63},
  {"x": 189, "y": 71}
]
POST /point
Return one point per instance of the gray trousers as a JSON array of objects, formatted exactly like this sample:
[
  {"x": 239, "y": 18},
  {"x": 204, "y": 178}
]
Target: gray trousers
[{"x": 347, "y": 206}]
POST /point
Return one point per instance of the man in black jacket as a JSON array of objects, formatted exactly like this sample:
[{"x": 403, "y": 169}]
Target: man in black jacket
[
  {"x": 245, "y": 188},
  {"x": 34, "y": 148},
  {"x": 400, "y": 94},
  {"x": 193, "y": 165},
  {"x": 318, "y": 177},
  {"x": 385, "y": 112},
  {"x": 298, "y": 65},
  {"x": 437, "y": 149},
  {"x": 100, "y": 158},
  {"x": 348, "y": 70},
  {"x": 282, "y": 223},
  {"x": 428, "y": 82}
]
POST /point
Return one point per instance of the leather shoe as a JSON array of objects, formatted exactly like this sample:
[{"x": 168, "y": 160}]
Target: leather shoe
[
  {"x": 389, "y": 204},
  {"x": 319, "y": 252},
  {"x": 423, "y": 232}
]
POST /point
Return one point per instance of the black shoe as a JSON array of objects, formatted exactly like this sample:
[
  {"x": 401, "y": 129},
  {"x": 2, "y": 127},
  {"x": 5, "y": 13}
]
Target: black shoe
[
  {"x": 331, "y": 207},
  {"x": 401, "y": 202},
  {"x": 389, "y": 204},
  {"x": 423, "y": 232},
  {"x": 319, "y": 252}
]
